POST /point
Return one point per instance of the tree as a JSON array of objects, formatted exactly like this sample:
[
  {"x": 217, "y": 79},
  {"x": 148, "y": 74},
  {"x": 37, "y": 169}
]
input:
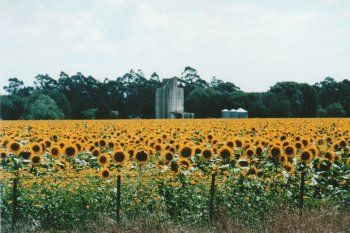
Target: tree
[
  {"x": 14, "y": 85},
  {"x": 335, "y": 110},
  {"x": 190, "y": 80},
  {"x": 204, "y": 102},
  {"x": 310, "y": 100},
  {"x": 45, "y": 82},
  {"x": 292, "y": 92},
  {"x": 44, "y": 108},
  {"x": 12, "y": 107},
  {"x": 343, "y": 95},
  {"x": 223, "y": 87},
  {"x": 327, "y": 91}
]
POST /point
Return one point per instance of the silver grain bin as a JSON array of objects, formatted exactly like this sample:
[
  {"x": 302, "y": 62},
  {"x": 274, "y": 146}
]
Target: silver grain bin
[
  {"x": 233, "y": 113},
  {"x": 225, "y": 113},
  {"x": 242, "y": 113}
]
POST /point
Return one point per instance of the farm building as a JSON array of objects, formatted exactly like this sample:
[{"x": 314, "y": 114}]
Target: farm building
[
  {"x": 225, "y": 113},
  {"x": 233, "y": 113},
  {"x": 170, "y": 101},
  {"x": 241, "y": 113}
]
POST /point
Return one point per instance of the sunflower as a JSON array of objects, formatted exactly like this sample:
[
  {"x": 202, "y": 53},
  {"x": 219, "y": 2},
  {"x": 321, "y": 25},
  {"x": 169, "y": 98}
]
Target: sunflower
[
  {"x": 197, "y": 150},
  {"x": 239, "y": 143},
  {"x": 283, "y": 159},
  {"x": 249, "y": 152},
  {"x": 70, "y": 151},
  {"x": 305, "y": 142},
  {"x": 298, "y": 145},
  {"x": 141, "y": 156},
  {"x": 342, "y": 143},
  {"x": 207, "y": 154},
  {"x": 103, "y": 159},
  {"x": 186, "y": 152},
  {"x": 36, "y": 149},
  {"x": 96, "y": 152},
  {"x": 289, "y": 167},
  {"x": 102, "y": 143},
  {"x": 105, "y": 173},
  {"x": 167, "y": 156},
  {"x": 225, "y": 153},
  {"x": 252, "y": 171},
  {"x": 314, "y": 151},
  {"x": 14, "y": 147},
  {"x": 275, "y": 151},
  {"x": 324, "y": 165},
  {"x": 36, "y": 160},
  {"x": 131, "y": 152},
  {"x": 47, "y": 143},
  {"x": 91, "y": 147},
  {"x": 55, "y": 152},
  {"x": 111, "y": 145},
  {"x": 26, "y": 154},
  {"x": 329, "y": 155},
  {"x": 184, "y": 163},
  {"x": 306, "y": 156},
  {"x": 230, "y": 144},
  {"x": 174, "y": 167},
  {"x": 289, "y": 151},
  {"x": 243, "y": 162},
  {"x": 259, "y": 150},
  {"x": 3, "y": 154},
  {"x": 158, "y": 147},
  {"x": 119, "y": 157}
]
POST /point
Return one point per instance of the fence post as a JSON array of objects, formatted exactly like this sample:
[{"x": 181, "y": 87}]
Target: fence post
[
  {"x": 212, "y": 197},
  {"x": 118, "y": 199},
  {"x": 14, "y": 201},
  {"x": 302, "y": 191}
]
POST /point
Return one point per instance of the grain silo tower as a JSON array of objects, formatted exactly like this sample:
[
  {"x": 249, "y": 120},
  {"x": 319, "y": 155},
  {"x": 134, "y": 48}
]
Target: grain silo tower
[
  {"x": 233, "y": 113},
  {"x": 225, "y": 113},
  {"x": 169, "y": 99},
  {"x": 241, "y": 113}
]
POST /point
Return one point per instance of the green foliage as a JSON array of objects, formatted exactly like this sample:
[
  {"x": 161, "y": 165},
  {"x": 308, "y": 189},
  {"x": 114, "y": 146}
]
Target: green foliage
[
  {"x": 90, "y": 113},
  {"x": 204, "y": 102},
  {"x": 336, "y": 110},
  {"x": 44, "y": 108},
  {"x": 12, "y": 107},
  {"x": 134, "y": 95}
]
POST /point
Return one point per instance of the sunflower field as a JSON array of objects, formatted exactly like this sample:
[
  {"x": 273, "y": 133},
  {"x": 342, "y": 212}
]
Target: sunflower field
[{"x": 65, "y": 175}]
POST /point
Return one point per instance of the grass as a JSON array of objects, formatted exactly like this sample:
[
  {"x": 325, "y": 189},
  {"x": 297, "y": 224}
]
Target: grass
[{"x": 314, "y": 220}]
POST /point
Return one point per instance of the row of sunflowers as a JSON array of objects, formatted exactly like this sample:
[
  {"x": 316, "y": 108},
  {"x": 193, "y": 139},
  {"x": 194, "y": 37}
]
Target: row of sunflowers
[{"x": 166, "y": 166}]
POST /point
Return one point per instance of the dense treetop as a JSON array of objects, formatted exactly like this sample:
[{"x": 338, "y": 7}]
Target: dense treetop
[{"x": 133, "y": 95}]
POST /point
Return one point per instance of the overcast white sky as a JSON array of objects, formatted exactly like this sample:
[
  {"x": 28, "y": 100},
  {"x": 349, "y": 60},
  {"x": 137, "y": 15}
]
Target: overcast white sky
[{"x": 253, "y": 44}]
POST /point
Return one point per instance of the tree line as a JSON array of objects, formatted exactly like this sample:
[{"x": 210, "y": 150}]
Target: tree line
[{"x": 133, "y": 96}]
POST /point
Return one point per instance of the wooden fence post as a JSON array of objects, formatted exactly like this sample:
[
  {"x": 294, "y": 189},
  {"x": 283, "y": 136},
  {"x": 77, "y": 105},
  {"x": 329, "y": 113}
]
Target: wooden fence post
[
  {"x": 212, "y": 198},
  {"x": 118, "y": 199},
  {"x": 14, "y": 202}
]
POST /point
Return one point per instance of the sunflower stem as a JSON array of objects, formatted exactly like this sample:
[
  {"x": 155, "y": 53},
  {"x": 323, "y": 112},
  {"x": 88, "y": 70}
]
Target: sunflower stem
[
  {"x": 302, "y": 191},
  {"x": 212, "y": 197},
  {"x": 15, "y": 201},
  {"x": 118, "y": 199}
]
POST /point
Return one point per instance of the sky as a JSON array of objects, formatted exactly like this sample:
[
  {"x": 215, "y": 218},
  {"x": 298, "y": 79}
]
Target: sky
[{"x": 253, "y": 44}]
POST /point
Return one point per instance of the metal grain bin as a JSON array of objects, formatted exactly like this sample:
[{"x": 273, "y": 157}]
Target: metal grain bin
[
  {"x": 233, "y": 113},
  {"x": 242, "y": 113},
  {"x": 225, "y": 113}
]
